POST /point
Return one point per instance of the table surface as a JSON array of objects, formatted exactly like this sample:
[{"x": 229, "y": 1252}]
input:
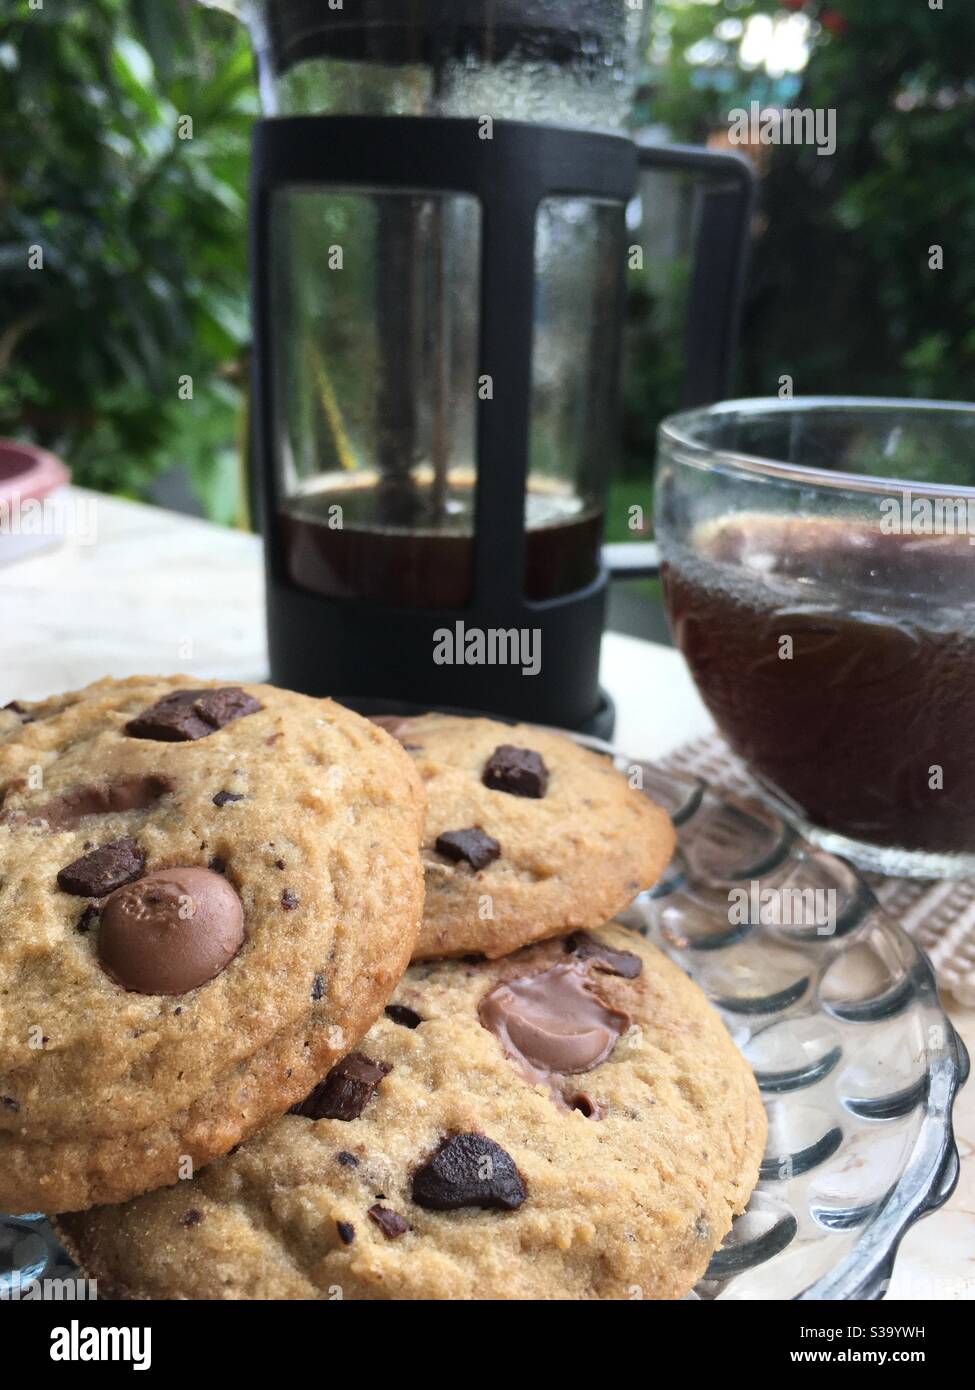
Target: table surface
[{"x": 138, "y": 589}]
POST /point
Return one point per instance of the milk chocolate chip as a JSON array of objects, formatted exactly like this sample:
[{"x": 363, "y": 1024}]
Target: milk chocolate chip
[
  {"x": 171, "y": 931},
  {"x": 552, "y": 1023},
  {"x": 586, "y": 947},
  {"x": 191, "y": 714},
  {"x": 345, "y": 1092},
  {"x": 518, "y": 771},
  {"x": 469, "y": 1170},
  {"x": 473, "y": 845},
  {"x": 103, "y": 870},
  {"x": 99, "y": 799}
]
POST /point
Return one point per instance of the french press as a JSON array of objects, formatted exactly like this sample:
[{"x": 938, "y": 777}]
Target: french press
[{"x": 438, "y": 255}]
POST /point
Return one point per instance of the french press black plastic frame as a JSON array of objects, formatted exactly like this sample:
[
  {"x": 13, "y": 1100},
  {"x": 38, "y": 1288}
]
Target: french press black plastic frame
[{"x": 378, "y": 657}]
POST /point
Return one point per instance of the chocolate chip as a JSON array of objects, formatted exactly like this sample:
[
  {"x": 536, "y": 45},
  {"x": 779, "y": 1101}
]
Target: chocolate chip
[
  {"x": 279, "y": 863},
  {"x": 191, "y": 1217},
  {"x": 345, "y": 1092},
  {"x": 473, "y": 845},
  {"x": 586, "y": 947},
  {"x": 9, "y": 1103},
  {"x": 217, "y": 865},
  {"x": 346, "y": 1159},
  {"x": 317, "y": 987},
  {"x": 15, "y": 705},
  {"x": 346, "y": 1232},
  {"x": 469, "y": 1170},
  {"x": 135, "y": 793},
  {"x": 88, "y": 918},
  {"x": 191, "y": 714},
  {"x": 222, "y": 798},
  {"x": 288, "y": 900},
  {"x": 389, "y": 1222},
  {"x": 96, "y": 874},
  {"x": 518, "y": 771},
  {"x": 399, "y": 1013}
]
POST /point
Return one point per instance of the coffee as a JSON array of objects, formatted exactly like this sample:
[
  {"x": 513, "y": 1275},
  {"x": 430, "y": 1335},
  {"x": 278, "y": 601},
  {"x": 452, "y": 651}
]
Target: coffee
[
  {"x": 832, "y": 671},
  {"x": 394, "y": 541}
]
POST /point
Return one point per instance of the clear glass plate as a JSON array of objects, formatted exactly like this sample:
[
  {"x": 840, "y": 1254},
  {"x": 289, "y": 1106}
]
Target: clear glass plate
[{"x": 838, "y": 1014}]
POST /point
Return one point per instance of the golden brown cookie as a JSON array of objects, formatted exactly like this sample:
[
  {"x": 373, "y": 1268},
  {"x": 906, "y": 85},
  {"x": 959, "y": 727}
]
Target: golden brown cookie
[
  {"x": 527, "y": 835},
  {"x": 451, "y": 1161},
  {"x": 207, "y": 894}
]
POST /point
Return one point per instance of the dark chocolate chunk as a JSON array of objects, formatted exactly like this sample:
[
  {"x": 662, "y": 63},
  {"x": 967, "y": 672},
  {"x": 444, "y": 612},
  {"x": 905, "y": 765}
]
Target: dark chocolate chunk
[
  {"x": 345, "y": 1092},
  {"x": 346, "y": 1159},
  {"x": 191, "y": 1217},
  {"x": 88, "y": 918},
  {"x": 389, "y": 1222},
  {"x": 135, "y": 793},
  {"x": 288, "y": 900},
  {"x": 473, "y": 845},
  {"x": 346, "y": 1232},
  {"x": 99, "y": 873},
  {"x": 400, "y": 1013},
  {"x": 14, "y": 705},
  {"x": 518, "y": 771},
  {"x": 191, "y": 714},
  {"x": 217, "y": 865},
  {"x": 222, "y": 798},
  {"x": 317, "y": 987},
  {"x": 9, "y": 1103},
  {"x": 469, "y": 1170},
  {"x": 586, "y": 947}
]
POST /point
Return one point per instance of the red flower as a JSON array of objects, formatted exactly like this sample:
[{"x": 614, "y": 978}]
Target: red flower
[
  {"x": 792, "y": 4},
  {"x": 834, "y": 22}
]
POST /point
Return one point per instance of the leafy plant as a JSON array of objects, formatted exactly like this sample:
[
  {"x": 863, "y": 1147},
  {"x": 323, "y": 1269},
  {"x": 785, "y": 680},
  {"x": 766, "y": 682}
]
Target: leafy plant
[{"x": 124, "y": 137}]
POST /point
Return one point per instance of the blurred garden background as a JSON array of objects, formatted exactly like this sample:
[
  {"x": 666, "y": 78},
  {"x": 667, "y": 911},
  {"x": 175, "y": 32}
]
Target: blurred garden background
[{"x": 143, "y": 222}]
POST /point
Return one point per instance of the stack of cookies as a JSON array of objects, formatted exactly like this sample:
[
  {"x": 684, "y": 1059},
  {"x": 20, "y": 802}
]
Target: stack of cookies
[{"x": 218, "y": 1064}]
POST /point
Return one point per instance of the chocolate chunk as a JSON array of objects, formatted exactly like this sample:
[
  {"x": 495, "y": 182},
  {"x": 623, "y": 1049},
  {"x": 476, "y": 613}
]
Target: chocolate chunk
[
  {"x": 345, "y": 1092},
  {"x": 473, "y": 845},
  {"x": 99, "y": 799},
  {"x": 191, "y": 1217},
  {"x": 14, "y": 705},
  {"x": 346, "y": 1159},
  {"x": 586, "y": 947},
  {"x": 288, "y": 900},
  {"x": 88, "y": 918},
  {"x": 186, "y": 715},
  {"x": 103, "y": 870},
  {"x": 518, "y": 771},
  {"x": 469, "y": 1170},
  {"x": 346, "y": 1232},
  {"x": 317, "y": 987},
  {"x": 217, "y": 865},
  {"x": 389, "y": 1222},
  {"x": 400, "y": 1013},
  {"x": 222, "y": 798},
  {"x": 9, "y": 1103},
  {"x": 171, "y": 931}
]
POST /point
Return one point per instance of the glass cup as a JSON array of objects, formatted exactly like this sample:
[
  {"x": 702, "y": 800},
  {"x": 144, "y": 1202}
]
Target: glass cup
[{"x": 818, "y": 559}]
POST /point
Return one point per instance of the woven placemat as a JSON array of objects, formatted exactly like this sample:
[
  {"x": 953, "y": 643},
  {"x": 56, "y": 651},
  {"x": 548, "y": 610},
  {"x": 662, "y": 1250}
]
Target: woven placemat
[{"x": 939, "y": 915}]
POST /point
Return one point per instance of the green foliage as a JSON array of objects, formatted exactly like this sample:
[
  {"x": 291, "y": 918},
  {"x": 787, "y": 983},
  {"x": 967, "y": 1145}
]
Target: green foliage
[
  {"x": 842, "y": 296},
  {"x": 143, "y": 235}
]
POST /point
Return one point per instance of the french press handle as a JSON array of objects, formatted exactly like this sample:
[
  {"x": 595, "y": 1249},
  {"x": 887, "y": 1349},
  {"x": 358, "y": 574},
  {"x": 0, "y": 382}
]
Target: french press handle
[{"x": 720, "y": 256}]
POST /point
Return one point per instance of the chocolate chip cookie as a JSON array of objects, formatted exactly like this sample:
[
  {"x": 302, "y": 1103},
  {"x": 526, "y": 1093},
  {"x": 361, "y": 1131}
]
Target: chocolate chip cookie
[
  {"x": 527, "y": 834},
  {"x": 207, "y": 894},
  {"x": 572, "y": 1121}
]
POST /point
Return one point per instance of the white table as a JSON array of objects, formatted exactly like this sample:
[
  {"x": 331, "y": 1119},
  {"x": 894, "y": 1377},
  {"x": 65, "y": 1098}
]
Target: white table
[{"x": 154, "y": 591}]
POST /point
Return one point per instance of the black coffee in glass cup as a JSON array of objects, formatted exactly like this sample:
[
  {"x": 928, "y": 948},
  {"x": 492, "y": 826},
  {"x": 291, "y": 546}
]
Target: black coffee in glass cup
[{"x": 819, "y": 575}]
